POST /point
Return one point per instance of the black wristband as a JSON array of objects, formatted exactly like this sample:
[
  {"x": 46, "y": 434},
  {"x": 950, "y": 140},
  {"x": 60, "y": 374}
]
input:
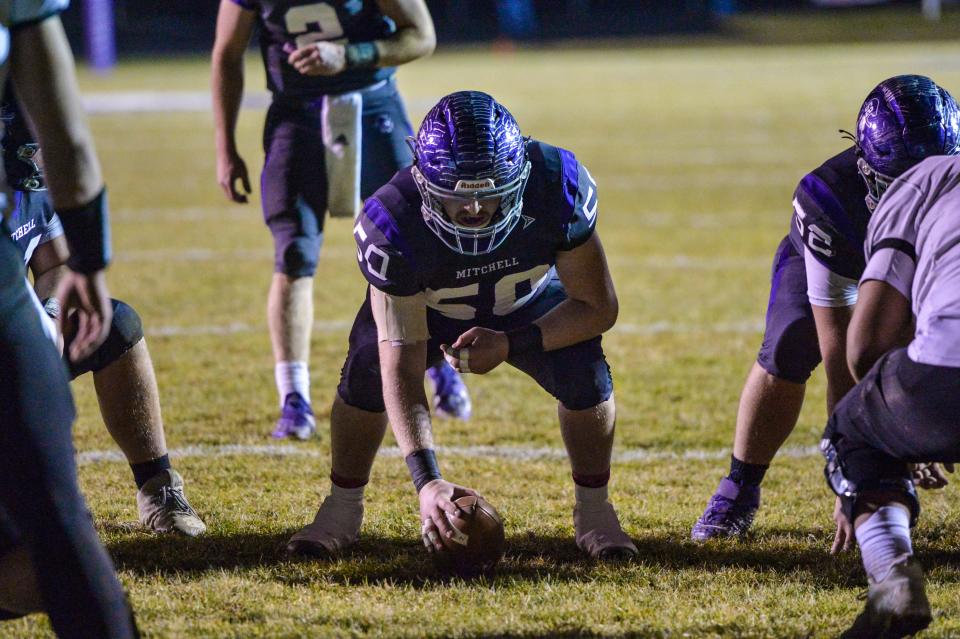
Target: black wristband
[
  {"x": 526, "y": 339},
  {"x": 423, "y": 467},
  {"x": 361, "y": 55},
  {"x": 87, "y": 229}
]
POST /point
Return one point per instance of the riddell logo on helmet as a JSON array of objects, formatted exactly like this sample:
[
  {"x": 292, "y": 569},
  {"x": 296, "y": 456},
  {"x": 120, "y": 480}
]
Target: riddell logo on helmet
[{"x": 474, "y": 185}]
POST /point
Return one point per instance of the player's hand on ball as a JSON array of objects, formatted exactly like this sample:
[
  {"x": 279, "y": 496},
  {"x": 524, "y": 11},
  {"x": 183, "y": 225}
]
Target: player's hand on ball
[
  {"x": 318, "y": 58},
  {"x": 843, "y": 539},
  {"x": 479, "y": 350},
  {"x": 436, "y": 504},
  {"x": 930, "y": 475}
]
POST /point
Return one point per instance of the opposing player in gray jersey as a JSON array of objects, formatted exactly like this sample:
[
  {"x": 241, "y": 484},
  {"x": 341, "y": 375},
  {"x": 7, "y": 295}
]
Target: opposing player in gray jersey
[{"x": 903, "y": 347}]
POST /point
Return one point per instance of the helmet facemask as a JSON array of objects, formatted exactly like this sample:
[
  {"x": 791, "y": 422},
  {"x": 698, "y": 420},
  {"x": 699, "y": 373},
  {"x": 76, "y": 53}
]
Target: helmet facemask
[
  {"x": 877, "y": 183},
  {"x": 468, "y": 240}
]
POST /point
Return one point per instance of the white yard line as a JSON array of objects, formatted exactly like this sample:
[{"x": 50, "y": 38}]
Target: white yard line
[
  {"x": 515, "y": 453},
  {"x": 343, "y": 325}
]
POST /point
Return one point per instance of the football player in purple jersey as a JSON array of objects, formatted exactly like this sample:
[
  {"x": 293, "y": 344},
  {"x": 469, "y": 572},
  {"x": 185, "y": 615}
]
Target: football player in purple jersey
[
  {"x": 483, "y": 252},
  {"x": 335, "y": 132},
  {"x": 813, "y": 288},
  {"x": 903, "y": 347},
  {"x": 50, "y": 557},
  {"x": 122, "y": 371}
]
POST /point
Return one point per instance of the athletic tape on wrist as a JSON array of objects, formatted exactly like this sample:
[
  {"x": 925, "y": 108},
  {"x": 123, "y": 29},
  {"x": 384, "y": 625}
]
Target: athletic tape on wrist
[
  {"x": 361, "y": 55},
  {"x": 423, "y": 467},
  {"x": 526, "y": 339},
  {"x": 87, "y": 229},
  {"x": 52, "y": 307}
]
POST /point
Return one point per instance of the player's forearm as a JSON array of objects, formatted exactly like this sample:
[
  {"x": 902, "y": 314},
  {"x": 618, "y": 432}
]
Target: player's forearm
[
  {"x": 45, "y": 284},
  {"x": 406, "y": 45},
  {"x": 401, "y": 368},
  {"x": 573, "y": 321},
  {"x": 839, "y": 379},
  {"x": 227, "y": 88},
  {"x": 832, "y": 323},
  {"x": 42, "y": 68},
  {"x": 414, "y": 37}
]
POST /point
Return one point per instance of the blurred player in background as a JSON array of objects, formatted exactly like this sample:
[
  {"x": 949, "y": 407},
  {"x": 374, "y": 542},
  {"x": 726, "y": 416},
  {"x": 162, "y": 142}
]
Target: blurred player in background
[
  {"x": 335, "y": 132},
  {"x": 122, "y": 371},
  {"x": 814, "y": 285},
  {"x": 483, "y": 252},
  {"x": 50, "y": 556},
  {"x": 903, "y": 347}
]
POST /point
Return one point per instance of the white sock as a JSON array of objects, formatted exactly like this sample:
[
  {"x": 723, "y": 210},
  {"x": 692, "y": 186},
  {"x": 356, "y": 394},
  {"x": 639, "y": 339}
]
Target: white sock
[
  {"x": 884, "y": 540},
  {"x": 347, "y": 494},
  {"x": 590, "y": 496},
  {"x": 292, "y": 377}
]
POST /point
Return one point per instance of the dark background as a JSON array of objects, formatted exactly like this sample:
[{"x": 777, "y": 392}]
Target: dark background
[{"x": 187, "y": 26}]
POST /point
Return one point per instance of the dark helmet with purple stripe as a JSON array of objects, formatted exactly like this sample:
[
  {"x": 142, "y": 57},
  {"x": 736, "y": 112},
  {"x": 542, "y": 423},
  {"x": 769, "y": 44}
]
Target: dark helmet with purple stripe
[
  {"x": 469, "y": 147},
  {"x": 903, "y": 120}
]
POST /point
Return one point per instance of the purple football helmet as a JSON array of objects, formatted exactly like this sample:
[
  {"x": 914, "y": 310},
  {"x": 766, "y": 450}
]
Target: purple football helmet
[
  {"x": 469, "y": 147},
  {"x": 903, "y": 120}
]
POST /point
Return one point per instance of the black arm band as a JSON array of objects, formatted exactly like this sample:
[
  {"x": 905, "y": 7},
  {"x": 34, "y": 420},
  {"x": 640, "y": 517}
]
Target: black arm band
[
  {"x": 423, "y": 467},
  {"x": 526, "y": 339},
  {"x": 362, "y": 55},
  {"x": 87, "y": 229}
]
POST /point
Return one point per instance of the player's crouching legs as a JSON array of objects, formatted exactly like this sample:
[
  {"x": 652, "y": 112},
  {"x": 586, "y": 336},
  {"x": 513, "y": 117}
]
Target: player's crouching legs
[
  {"x": 357, "y": 425},
  {"x": 579, "y": 378},
  {"x": 130, "y": 405}
]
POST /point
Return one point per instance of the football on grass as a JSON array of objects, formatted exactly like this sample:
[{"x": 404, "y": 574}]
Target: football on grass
[{"x": 477, "y": 544}]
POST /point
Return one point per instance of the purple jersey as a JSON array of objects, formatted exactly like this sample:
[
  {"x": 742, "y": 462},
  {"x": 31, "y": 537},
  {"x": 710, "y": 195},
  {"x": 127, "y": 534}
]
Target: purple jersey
[
  {"x": 831, "y": 215},
  {"x": 401, "y": 256},
  {"x": 32, "y": 222},
  {"x": 295, "y": 23}
]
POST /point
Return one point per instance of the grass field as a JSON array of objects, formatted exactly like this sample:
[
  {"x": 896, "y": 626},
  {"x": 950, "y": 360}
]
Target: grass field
[{"x": 696, "y": 151}]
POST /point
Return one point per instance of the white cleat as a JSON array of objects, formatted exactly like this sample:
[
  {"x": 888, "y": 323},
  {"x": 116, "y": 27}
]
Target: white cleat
[
  {"x": 164, "y": 508},
  {"x": 896, "y": 607},
  {"x": 335, "y": 528},
  {"x": 599, "y": 534}
]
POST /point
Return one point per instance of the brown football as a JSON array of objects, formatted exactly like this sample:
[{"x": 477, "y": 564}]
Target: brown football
[{"x": 480, "y": 542}]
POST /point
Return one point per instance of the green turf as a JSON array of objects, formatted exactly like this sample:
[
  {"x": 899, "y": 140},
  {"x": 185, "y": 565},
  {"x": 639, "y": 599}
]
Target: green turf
[{"x": 696, "y": 151}]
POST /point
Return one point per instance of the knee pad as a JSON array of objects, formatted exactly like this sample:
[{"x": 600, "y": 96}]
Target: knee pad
[
  {"x": 299, "y": 257},
  {"x": 126, "y": 330},
  {"x": 586, "y": 390},
  {"x": 790, "y": 348},
  {"x": 851, "y": 492},
  {"x": 360, "y": 385}
]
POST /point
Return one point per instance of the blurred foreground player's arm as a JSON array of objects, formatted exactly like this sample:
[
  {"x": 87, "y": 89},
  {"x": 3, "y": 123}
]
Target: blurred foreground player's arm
[
  {"x": 402, "y": 335},
  {"x": 41, "y": 66},
  {"x": 75, "y": 580},
  {"x": 414, "y": 38},
  {"x": 234, "y": 27}
]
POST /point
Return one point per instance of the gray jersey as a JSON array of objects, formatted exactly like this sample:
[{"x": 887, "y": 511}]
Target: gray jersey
[{"x": 913, "y": 244}]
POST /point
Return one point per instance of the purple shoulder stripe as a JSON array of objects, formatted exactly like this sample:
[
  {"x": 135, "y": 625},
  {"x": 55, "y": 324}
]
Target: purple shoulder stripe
[
  {"x": 377, "y": 213},
  {"x": 820, "y": 192},
  {"x": 570, "y": 169}
]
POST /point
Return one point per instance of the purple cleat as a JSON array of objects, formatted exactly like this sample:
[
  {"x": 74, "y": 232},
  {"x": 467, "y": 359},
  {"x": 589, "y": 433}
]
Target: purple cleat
[
  {"x": 296, "y": 419},
  {"x": 450, "y": 396},
  {"x": 729, "y": 512}
]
